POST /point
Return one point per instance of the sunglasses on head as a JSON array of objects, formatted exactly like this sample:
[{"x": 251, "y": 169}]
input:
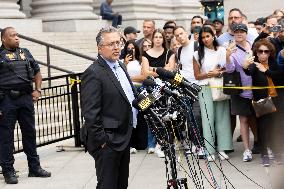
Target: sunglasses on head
[{"x": 263, "y": 51}]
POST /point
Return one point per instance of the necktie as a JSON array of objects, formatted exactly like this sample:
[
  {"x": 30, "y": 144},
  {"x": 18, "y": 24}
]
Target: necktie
[{"x": 125, "y": 84}]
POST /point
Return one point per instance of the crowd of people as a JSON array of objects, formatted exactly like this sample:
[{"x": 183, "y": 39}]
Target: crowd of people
[{"x": 254, "y": 49}]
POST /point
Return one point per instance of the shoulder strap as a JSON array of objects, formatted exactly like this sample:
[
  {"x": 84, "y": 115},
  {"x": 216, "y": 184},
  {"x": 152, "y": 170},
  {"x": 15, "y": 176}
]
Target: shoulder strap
[
  {"x": 195, "y": 47},
  {"x": 241, "y": 48},
  {"x": 166, "y": 61},
  {"x": 179, "y": 52}
]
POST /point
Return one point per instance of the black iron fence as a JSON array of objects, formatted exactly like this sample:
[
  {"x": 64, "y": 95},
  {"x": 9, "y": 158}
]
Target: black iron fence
[{"x": 57, "y": 112}]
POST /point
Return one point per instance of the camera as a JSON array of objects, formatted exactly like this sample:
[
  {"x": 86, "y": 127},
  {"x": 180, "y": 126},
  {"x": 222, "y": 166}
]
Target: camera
[{"x": 276, "y": 28}]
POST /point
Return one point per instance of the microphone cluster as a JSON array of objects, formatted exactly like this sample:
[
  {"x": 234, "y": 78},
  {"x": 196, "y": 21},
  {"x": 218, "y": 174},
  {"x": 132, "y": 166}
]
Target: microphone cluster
[
  {"x": 168, "y": 84},
  {"x": 166, "y": 104}
]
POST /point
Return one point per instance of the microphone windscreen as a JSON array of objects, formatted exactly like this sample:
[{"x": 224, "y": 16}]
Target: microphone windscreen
[
  {"x": 163, "y": 73},
  {"x": 135, "y": 103},
  {"x": 149, "y": 83},
  {"x": 140, "y": 97}
]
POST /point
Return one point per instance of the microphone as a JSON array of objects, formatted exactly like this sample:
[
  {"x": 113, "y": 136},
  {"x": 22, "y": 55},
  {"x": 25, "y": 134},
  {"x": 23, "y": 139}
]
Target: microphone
[
  {"x": 135, "y": 103},
  {"x": 153, "y": 84},
  {"x": 177, "y": 79}
]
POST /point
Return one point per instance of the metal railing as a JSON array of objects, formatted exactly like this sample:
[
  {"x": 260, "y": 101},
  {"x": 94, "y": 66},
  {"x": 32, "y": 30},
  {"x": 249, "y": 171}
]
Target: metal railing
[
  {"x": 57, "y": 113},
  {"x": 48, "y": 60}
]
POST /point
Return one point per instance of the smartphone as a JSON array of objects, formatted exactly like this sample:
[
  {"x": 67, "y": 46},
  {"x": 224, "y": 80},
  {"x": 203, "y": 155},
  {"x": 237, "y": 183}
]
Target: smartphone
[
  {"x": 276, "y": 28},
  {"x": 130, "y": 52},
  {"x": 232, "y": 45},
  {"x": 197, "y": 29}
]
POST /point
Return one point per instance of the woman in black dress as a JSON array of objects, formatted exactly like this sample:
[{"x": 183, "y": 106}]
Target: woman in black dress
[{"x": 157, "y": 56}]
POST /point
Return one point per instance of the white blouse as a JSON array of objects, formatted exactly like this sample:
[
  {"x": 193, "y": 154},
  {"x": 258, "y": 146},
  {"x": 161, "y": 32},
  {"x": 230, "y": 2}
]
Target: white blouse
[{"x": 210, "y": 61}]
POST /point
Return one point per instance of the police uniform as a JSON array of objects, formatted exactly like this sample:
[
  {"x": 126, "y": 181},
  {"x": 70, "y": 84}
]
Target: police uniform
[{"x": 17, "y": 69}]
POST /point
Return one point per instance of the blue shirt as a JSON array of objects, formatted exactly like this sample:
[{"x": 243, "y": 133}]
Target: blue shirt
[
  {"x": 226, "y": 37},
  {"x": 125, "y": 84},
  {"x": 105, "y": 9}
]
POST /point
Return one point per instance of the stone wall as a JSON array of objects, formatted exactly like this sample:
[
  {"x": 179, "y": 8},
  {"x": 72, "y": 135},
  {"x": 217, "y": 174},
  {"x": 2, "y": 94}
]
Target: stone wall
[{"x": 253, "y": 9}]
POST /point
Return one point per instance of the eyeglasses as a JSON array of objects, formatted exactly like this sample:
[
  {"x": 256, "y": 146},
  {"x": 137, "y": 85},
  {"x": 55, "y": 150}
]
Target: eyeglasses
[
  {"x": 114, "y": 44},
  {"x": 259, "y": 51},
  {"x": 234, "y": 17}
]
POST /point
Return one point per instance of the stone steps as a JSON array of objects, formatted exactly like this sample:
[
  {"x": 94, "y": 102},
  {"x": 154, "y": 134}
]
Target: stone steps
[{"x": 81, "y": 42}]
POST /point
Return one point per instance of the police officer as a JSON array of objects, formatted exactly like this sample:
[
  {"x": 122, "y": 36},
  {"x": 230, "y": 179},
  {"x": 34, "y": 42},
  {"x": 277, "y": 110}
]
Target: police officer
[{"x": 18, "y": 70}]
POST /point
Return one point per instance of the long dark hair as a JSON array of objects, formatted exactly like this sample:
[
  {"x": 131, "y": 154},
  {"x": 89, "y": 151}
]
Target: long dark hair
[
  {"x": 137, "y": 52},
  {"x": 201, "y": 44}
]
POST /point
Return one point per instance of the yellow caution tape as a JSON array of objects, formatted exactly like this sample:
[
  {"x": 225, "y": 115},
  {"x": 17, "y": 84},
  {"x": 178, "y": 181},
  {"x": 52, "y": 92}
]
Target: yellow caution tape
[
  {"x": 249, "y": 87},
  {"x": 73, "y": 81}
]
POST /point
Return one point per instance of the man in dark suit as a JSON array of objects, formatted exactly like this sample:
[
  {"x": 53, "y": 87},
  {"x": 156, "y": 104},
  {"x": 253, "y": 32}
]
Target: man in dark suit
[{"x": 107, "y": 94}]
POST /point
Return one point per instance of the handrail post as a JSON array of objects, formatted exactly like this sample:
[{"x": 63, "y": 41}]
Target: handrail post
[
  {"x": 75, "y": 109},
  {"x": 48, "y": 65}
]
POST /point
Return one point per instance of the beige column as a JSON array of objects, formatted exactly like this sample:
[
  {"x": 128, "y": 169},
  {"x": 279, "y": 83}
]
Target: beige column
[
  {"x": 185, "y": 9},
  {"x": 135, "y": 11},
  {"x": 65, "y": 15},
  {"x": 55, "y": 10},
  {"x": 11, "y": 16},
  {"x": 10, "y": 9}
]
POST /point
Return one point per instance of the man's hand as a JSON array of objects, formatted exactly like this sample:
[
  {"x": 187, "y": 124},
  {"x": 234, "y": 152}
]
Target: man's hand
[{"x": 36, "y": 94}]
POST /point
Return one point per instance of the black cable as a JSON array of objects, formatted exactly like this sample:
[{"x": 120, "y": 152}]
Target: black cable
[{"x": 227, "y": 159}]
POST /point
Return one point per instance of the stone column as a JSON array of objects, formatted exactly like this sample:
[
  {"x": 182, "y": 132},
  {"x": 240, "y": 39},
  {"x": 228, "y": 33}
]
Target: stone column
[
  {"x": 65, "y": 15},
  {"x": 10, "y": 9},
  {"x": 10, "y": 15},
  {"x": 135, "y": 11},
  {"x": 185, "y": 9}
]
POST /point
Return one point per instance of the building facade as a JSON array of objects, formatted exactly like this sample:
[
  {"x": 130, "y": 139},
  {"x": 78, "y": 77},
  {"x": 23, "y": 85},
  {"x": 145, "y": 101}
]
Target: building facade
[{"x": 83, "y": 15}]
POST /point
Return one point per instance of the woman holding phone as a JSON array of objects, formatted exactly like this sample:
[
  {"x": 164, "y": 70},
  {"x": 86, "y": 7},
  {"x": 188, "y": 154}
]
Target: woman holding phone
[
  {"x": 265, "y": 72},
  {"x": 208, "y": 63},
  {"x": 133, "y": 66}
]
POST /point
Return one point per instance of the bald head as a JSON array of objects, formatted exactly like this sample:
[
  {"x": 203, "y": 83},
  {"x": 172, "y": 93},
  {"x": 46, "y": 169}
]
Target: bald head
[{"x": 9, "y": 38}]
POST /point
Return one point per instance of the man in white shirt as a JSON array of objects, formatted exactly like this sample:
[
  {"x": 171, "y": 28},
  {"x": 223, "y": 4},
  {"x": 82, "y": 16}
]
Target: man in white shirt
[
  {"x": 185, "y": 58},
  {"x": 185, "y": 53}
]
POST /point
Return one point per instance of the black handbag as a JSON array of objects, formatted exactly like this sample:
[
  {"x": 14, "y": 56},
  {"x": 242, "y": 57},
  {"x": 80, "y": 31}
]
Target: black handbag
[
  {"x": 263, "y": 106},
  {"x": 232, "y": 80}
]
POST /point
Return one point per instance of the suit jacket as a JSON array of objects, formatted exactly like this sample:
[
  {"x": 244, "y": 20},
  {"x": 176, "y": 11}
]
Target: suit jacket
[
  {"x": 105, "y": 108},
  {"x": 260, "y": 79}
]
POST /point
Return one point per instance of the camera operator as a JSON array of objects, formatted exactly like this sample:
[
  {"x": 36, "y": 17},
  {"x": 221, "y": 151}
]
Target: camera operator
[
  {"x": 272, "y": 27},
  {"x": 18, "y": 71}
]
